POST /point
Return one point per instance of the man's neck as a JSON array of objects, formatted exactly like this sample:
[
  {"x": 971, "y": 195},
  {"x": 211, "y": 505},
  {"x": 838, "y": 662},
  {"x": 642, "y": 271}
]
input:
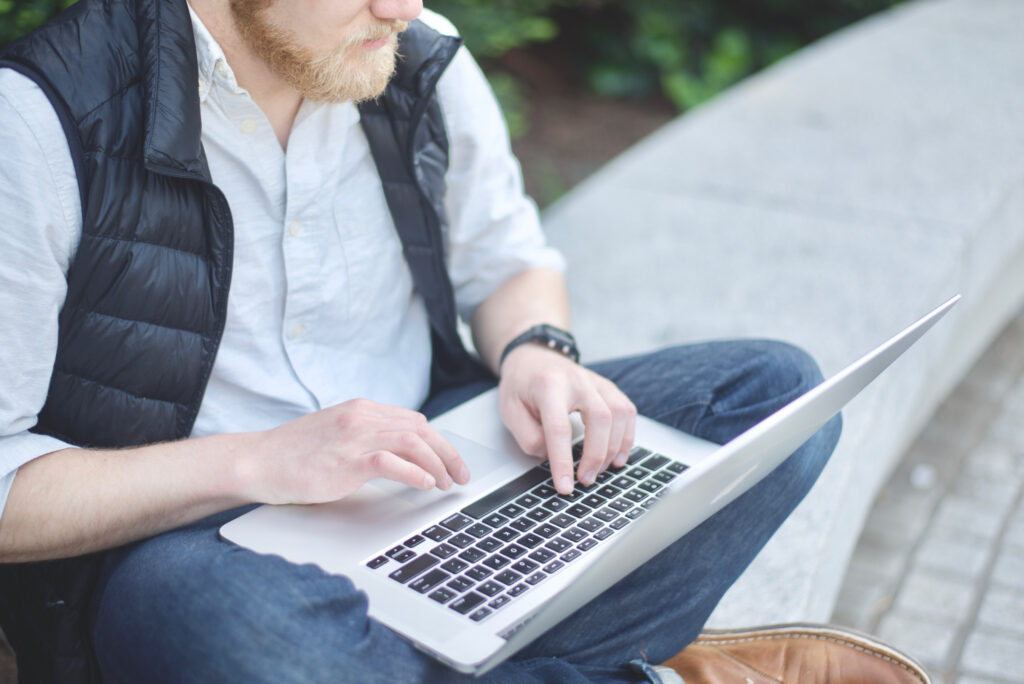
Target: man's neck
[{"x": 279, "y": 101}]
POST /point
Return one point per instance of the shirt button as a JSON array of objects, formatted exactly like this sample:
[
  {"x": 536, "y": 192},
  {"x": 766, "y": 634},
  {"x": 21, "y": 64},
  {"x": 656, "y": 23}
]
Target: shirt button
[
  {"x": 295, "y": 228},
  {"x": 248, "y": 126},
  {"x": 222, "y": 68},
  {"x": 297, "y": 331}
]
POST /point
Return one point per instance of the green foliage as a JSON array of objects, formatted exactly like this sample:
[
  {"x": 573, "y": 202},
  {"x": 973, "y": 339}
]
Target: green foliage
[
  {"x": 688, "y": 50},
  {"x": 21, "y": 16}
]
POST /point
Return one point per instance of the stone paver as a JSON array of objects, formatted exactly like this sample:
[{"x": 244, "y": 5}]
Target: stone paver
[{"x": 958, "y": 605}]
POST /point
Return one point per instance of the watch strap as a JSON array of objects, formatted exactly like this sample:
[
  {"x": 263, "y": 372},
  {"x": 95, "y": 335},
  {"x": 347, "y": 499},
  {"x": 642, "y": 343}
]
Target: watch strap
[{"x": 551, "y": 337}]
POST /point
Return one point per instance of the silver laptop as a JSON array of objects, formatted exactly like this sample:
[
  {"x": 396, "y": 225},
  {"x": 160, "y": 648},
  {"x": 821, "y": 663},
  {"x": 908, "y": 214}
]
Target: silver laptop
[{"x": 473, "y": 574}]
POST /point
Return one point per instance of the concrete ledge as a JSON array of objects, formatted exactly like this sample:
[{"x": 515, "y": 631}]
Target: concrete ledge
[{"x": 827, "y": 201}]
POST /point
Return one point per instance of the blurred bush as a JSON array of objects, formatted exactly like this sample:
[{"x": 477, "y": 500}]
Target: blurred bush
[
  {"x": 688, "y": 50},
  {"x": 20, "y": 16}
]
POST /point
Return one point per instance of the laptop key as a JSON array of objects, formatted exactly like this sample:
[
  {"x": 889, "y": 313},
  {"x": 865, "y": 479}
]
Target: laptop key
[
  {"x": 514, "y": 551},
  {"x": 542, "y": 555},
  {"x": 618, "y": 524},
  {"x": 573, "y": 534},
  {"x": 506, "y": 534},
  {"x": 518, "y": 590},
  {"x": 436, "y": 533},
  {"x": 455, "y": 565},
  {"x": 414, "y": 540},
  {"x": 648, "y": 503},
  {"x": 609, "y": 491},
  {"x": 563, "y": 520},
  {"x": 508, "y": 578},
  {"x": 544, "y": 491},
  {"x": 391, "y": 553},
  {"x": 623, "y": 482},
  {"x": 635, "y": 513},
  {"x": 570, "y": 555},
  {"x": 635, "y": 495},
  {"x": 665, "y": 476},
  {"x": 495, "y": 520},
  {"x": 414, "y": 567},
  {"x": 636, "y": 455},
  {"x": 555, "y": 504},
  {"x": 472, "y": 555},
  {"x": 466, "y": 603},
  {"x": 621, "y": 505},
  {"x": 528, "y": 501},
  {"x": 591, "y": 524},
  {"x": 425, "y": 583},
  {"x": 377, "y": 562},
  {"x": 460, "y": 584},
  {"x": 480, "y": 615},
  {"x": 603, "y": 477},
  {"x": 479, "y": 531},
  {"x": 522, "y": 524},
  {"x": 404, "y": 555},
  {"x": 529, "y": 540},
  {"x": 461, "y": 540},
  {"x": 510, "y": 511},
  {"x": 456, "y": 522},
  {"x": 491, "y": 588},
  {"x": 539, "y": 514},
  {"x": 536, "y": 578},
  {"x": 638, "y": 473},
  {"x": 586, "y": 544},
  {"x": 524, "y": 566},
  {"x": 442, "y": 595},
  {"x": 478, "y": 573},
  {"x": 553, "y": 566},
  {"x": 579, "y": 510},
  {"x": 558, "y": 545},
  {"x": 594, "y": 501},
  {"x": 443, "y": 550},
  {"x": 489, "y": 544},
  {"x": 655, "y": 462},
  {"x": 651, "y": 486},
  {"x": 606, "y": 514},
  {"x": 601, "y": 535},
  {"x": 676, "y": 467},
  {"x": 499, "y": 602},
  {"x": 547, "y": 531},
  {"x": 496, "y": 562}
]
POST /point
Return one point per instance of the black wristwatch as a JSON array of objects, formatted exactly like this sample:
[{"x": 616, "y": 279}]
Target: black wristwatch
[{"x": 551, "y": 337}]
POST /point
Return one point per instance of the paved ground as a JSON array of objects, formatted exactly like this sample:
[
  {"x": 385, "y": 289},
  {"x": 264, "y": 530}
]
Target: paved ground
[{"x": 939, "y": 568}]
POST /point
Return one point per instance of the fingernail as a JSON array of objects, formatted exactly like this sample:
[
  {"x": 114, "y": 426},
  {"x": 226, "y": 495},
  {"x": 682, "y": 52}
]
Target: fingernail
[
  {"x": 428, "y": 481},
  {"x": 589, "y": 477},
  {"x": 565, "y": 484},
  {"x": 447, "y": 481},
  {"x": 620, "y": 460},
  {"x": 464, "y": 474}
]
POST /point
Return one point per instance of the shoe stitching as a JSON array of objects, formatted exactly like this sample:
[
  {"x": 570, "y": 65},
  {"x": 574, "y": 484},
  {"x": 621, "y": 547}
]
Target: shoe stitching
[
  {"x": 747, "y": 666},
  {"x": 881, "y": 656}
]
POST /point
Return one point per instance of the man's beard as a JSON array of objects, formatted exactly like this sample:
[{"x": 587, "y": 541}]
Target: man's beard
[{"x": 350, "y": 72}]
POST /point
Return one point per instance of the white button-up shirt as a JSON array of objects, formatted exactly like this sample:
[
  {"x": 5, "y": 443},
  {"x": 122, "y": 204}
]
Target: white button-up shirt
[{"x": 322, "y": 307}]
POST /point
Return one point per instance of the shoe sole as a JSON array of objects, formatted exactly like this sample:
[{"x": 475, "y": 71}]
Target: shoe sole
[{"x": 808, "y": 630}]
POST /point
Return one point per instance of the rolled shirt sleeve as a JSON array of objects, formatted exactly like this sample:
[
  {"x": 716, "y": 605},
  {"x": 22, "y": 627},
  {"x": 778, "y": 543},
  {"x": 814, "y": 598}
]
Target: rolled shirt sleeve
[
  {"x": 494, "y": 228},
  {"x": 40, "y": 223}
]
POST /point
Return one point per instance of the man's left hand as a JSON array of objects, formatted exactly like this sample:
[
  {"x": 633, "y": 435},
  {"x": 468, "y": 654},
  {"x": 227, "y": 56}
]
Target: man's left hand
[{"x": 538, "y": 390}]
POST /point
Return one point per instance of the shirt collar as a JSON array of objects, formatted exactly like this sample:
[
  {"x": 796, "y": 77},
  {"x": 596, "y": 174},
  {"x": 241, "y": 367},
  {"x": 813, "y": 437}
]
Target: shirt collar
[{"x": 213, "y": 66}]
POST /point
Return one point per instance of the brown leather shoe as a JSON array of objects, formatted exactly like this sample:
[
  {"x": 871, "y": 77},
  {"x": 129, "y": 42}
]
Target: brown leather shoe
[{"x": 794, "y": 654}]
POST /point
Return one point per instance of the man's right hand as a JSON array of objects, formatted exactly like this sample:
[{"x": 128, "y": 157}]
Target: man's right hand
[
  {"x": 74, "y": 501},
  {"x": 329, "y": 454}
]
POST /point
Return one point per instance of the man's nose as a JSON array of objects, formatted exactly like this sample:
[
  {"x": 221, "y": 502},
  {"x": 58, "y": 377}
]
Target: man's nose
[{"x": 403, "y": 10}]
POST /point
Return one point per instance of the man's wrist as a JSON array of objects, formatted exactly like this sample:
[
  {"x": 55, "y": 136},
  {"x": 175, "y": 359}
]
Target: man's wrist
[{"x": 555, "y": 339}]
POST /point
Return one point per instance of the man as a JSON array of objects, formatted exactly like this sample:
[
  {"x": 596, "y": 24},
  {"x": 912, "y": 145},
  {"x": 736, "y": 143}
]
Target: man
[{"x": 225, "y": 284}]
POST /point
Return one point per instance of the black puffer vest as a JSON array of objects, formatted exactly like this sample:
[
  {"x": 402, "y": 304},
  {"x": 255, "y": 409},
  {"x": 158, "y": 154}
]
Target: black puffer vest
[{"x": 148, "y": 286}]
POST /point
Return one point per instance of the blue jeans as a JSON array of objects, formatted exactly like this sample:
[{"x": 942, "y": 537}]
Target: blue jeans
[{"x": 186, "y": 606}]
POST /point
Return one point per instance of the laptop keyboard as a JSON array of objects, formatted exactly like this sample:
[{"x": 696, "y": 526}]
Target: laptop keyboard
[{"x": 497, "y": 548}]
